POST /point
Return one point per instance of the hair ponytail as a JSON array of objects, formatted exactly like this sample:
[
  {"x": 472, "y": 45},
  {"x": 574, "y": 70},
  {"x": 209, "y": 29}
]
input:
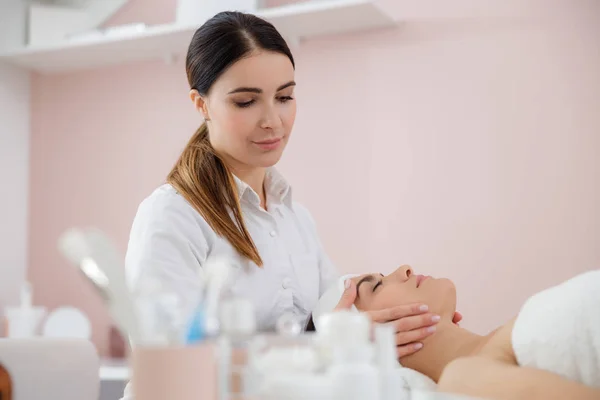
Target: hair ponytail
[{"x": 204, "y": 180}]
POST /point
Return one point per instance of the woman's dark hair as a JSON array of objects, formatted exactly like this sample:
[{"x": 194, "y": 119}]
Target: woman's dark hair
[{"x": 200, "y": 175}]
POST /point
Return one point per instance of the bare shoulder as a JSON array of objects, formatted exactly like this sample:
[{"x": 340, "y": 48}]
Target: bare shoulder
[
  {"x": 497, "y": 349},
  {"x": 493, "y": 373},
  {"x": 499, "y": 346}
]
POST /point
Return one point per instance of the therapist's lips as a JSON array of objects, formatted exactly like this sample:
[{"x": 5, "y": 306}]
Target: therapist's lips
[
  {"x": 421, "y": 278},
  {"x": 270, "y": 144}
]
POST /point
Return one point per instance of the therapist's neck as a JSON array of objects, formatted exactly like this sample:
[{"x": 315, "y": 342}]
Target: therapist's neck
[
  {"x": 448, "y": 343},
  {"x": 255, "y": 178}
]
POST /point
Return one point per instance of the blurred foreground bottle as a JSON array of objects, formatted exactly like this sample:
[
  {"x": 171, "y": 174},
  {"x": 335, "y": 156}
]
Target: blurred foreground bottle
[{"x": 5, "y": 384}]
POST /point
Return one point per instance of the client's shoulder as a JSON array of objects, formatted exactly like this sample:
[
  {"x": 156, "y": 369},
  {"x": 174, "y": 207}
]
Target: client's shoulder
[{"x": 499, "y": 344}]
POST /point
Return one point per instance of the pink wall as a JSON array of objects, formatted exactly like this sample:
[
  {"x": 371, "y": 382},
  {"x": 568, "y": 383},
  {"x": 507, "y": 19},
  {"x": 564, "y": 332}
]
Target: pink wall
[
  {"x": 464, "y": 147},
  {"x": 150, "y": 12}
]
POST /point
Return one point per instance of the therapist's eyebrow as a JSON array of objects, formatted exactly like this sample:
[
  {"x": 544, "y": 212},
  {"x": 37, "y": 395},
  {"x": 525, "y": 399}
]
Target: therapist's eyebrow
[{"x": 259, "y": 90}]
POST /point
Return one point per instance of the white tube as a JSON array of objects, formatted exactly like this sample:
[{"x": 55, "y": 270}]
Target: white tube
[{"x": 387, "y": 363}]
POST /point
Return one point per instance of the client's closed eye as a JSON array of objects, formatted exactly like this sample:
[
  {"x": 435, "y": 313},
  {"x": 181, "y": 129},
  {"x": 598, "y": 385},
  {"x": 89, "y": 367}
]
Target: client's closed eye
[{"x": 377, "y": 285}]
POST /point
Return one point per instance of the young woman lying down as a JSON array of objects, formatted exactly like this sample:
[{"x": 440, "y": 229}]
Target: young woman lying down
[{"x": 550, "y": 350}]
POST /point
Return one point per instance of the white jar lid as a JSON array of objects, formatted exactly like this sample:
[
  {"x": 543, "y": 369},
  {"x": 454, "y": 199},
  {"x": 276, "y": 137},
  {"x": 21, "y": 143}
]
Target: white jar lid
[
  {"x": 237, "y": 317},
  {"x": 345, "y": 327}
]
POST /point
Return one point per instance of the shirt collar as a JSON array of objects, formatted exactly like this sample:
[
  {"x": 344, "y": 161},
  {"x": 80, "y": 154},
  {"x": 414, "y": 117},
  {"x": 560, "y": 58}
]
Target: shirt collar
[{"x": 277, "y": 188}]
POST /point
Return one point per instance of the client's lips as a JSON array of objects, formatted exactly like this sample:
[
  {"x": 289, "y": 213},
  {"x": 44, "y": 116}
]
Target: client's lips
[{"x": 421, "y": 278}]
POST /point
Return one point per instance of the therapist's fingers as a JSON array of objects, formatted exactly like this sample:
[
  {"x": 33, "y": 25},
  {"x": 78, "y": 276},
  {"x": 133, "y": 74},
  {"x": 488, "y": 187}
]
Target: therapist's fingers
[
  {"x": 415, "y": 322},
  {"x": 411, "y": 337},
  {"x": 407, "y": 350},
  {"x": 348, "y": 297},
  {"x": 396, "y": 313}
]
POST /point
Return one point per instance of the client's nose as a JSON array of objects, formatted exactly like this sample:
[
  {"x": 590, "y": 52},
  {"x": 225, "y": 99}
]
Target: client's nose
[{"x": 404, "y": 272}]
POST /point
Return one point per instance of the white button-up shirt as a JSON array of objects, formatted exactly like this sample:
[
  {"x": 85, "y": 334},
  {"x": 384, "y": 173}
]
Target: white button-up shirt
[{"x": 170, "y": 241}]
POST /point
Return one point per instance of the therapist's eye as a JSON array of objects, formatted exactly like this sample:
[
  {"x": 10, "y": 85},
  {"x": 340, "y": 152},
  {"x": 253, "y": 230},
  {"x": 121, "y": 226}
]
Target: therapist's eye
[
  {"x": 244, "y": 104},
  {"x": 285, "y": 99}
]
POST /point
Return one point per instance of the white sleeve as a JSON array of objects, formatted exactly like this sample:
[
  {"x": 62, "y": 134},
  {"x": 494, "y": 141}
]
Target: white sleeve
[
  {"x": 328, "y": 273},
  {"x": 167, "y": 244}
]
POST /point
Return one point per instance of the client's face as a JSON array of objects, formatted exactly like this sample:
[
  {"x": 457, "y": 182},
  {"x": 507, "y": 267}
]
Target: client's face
[{"x": 376, "y": 292}]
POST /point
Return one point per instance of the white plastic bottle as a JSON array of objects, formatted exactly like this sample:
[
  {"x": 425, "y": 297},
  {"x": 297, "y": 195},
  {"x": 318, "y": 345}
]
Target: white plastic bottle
[
  {"x": 352, "y": 372},
  {"x": 353, "y": 375},
  {"x": 391, "y": 385}
]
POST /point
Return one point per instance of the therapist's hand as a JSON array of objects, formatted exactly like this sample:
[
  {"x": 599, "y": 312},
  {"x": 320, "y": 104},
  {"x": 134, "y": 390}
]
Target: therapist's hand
[{"x": 412, "y": 321}]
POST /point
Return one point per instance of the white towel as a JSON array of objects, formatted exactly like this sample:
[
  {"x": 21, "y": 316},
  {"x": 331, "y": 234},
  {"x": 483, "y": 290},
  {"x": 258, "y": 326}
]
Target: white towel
[
  {"x": 558, "y": 330},
  {"x": 414, "y": 380},
  {"x": 417, "y": 386}
]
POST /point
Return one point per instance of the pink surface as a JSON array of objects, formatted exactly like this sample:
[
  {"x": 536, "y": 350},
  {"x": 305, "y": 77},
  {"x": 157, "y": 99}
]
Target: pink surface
[
  {"x": 464, "y": 147},
  {"x": 182, "y": 373},
  {"x": 150, "y": 12}
]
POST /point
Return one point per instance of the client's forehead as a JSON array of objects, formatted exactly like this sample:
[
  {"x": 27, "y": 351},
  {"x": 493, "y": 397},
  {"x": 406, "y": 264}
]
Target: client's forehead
[
  {"x": 367, "y": 277},
  {"x": 359, "y": 278}
]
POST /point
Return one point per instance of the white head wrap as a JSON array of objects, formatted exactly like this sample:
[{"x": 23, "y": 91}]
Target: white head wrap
[{"x": 331, "y": 298}]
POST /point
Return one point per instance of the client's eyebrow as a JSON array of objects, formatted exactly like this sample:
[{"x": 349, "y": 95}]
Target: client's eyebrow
[{"x": 368, "y": 278}]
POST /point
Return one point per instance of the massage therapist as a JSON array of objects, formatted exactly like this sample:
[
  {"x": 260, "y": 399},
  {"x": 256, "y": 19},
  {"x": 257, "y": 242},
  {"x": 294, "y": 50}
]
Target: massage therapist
[{"x": 224, "y": 197}]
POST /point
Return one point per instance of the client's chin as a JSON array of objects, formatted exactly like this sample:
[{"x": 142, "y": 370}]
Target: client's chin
[{"x": 441, "y": 297}]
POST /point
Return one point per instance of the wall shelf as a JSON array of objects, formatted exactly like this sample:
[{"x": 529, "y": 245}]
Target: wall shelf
[
  {"x": 98, "y": 11},
  {"x": 295, "y": 21}
]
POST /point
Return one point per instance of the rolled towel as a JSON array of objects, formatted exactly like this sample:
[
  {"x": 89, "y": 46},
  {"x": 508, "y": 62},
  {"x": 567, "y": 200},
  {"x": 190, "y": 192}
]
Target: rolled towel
[{"x": 558, "y": 330}]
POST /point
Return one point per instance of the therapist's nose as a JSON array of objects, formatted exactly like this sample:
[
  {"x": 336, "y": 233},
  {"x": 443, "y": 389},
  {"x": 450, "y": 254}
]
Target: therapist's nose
[{"x": 271, "y": 118}]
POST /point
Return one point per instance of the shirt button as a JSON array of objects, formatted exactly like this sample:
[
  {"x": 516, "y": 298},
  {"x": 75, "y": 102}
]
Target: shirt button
[
  {"x": 287, "y": 282},
  {"x": 273, "y": 233}
]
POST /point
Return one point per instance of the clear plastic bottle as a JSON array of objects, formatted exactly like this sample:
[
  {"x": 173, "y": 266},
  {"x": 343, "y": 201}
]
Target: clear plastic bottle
[{"x": 237, "y": 328}]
